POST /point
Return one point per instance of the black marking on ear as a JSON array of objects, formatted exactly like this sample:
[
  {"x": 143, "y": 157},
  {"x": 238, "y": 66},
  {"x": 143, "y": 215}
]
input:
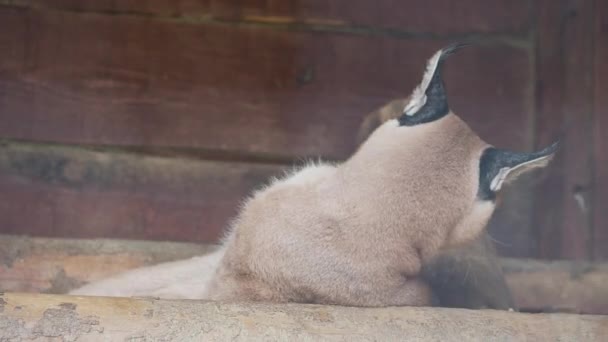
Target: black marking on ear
[
  {"x": 436, "y": 105},
  {"x": 493, "y": 159},
  {"x": 435, "y": 108},
  {"x": 488, "y": 169}
]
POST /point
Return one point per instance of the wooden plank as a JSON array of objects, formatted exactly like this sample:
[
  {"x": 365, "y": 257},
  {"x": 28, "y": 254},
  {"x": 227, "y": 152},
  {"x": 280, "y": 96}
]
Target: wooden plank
[
  {"x": 136, "y": 81},
  {"x": 564, "y": 72},
  {"x": 549, "y": 65},
  {"x": 600, "y": 133},
  {"x": 558, "y": 286},
  {"x": 578, "y": 106},
  {"x": 59, "y": 265},
  {"x": 58, "y": 191},
  {"x": 73, "y": 318},
  {"x": 438, "y": 16}
]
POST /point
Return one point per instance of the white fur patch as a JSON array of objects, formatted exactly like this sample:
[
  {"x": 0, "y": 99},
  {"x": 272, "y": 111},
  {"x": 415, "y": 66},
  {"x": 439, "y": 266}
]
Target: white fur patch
[
  {"x": 183, "y": 279},
  {"x": 309, "y": 174},
  {"x": 304, "y": 176},
  {"x": 510, "y": 173},
  {"x": 499, "y": 179},
  {"x": 418, "y": 97},
  {"x": 473, "y": 223}
]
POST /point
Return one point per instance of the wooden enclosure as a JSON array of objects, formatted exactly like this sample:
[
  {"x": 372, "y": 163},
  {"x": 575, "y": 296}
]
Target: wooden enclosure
[{"x": 152, "y": 119}]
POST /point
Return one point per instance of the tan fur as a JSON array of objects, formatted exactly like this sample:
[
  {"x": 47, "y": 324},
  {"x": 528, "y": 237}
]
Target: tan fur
[
  {"x": 355, "y": 233},
  {"x": 183, "y": 279},
  {"x": 392, "y": 111},
  {"x": 468, "y": 275}
]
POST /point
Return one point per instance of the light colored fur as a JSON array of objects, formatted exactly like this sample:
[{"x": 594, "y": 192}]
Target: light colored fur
[
  {"x": 357, "y": 233},
  {"x": 354, "y": 233},
  {"x": 183, "y": 279},
  {"x": 508, "y": 174},
  {"x": 418, "y": 98}
]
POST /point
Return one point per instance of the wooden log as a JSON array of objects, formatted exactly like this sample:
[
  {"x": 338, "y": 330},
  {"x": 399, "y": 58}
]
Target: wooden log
[
  {"x": 72, "y": 318},
  {"x": 564, "y": 286},
  {"x": 82, "y": 193},
  {"x": 59, "y": 265}
]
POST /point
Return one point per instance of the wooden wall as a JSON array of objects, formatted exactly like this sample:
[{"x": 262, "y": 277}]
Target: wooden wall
[{"x": 152, "y": 119}]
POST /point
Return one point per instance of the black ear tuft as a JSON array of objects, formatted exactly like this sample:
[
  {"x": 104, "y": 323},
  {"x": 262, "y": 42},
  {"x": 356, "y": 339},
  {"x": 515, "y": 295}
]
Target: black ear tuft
[
  {"x": 453, "y": 47},
  {"x": 429, "y": 102}
]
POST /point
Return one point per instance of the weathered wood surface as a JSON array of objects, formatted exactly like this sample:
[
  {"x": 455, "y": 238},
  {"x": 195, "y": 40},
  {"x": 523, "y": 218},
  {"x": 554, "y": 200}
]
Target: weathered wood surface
[
  {"x": 71, "y": 318},
  {"x": 59, "y": 265},
  {"x": 565, "y": 71},
  {"x": 600, "y": 134},
  {"x": 73, "y": 192},
  {"x": 562, "y": 286},
  {"x": 105, "y": 79},
  {"x": 411, "y": 16},
  {"x": 263, "y": 80}
]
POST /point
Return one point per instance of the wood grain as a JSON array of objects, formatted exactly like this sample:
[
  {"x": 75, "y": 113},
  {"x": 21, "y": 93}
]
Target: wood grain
[
  {"x": 74, "y": 318},
  {"x": 558, "y": 286},
  {"x": 564, "y": 71},
  {"x": 438, "y": 16},
  {"x": 52, "y": 265},
  {"x": 600, "y": 134},
  {"x": 60, "y": 191},
  {"x": 133, "y": 81},
  {"x": 548, "y": 216},
  {"x": 263, "y": 80}
]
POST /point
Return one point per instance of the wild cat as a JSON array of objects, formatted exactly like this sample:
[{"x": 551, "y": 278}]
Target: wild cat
[{"x": 354, "y": 233}]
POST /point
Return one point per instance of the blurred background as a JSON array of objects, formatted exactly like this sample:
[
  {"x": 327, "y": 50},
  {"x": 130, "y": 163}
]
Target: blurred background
[{"x": 152, "y": 119}]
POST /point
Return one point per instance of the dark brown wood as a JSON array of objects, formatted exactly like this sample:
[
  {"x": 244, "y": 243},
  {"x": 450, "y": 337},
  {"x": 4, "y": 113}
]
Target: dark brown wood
[
  {"x": 577, "y": 147},
  {"x": 70, "y": 192},
  {"x": 564, "y": 71},
  {"x": 411, "y": 16},
  {"x": 263, "y": 80},
  {"x": 600, "y": 133},
  {"x": 125, "y": 80},
  {"x": 548, "y": 216}
]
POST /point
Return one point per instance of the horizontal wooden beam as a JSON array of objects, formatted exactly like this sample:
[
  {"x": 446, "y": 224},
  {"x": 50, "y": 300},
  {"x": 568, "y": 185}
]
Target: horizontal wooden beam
[
  {"x": 78, "y": 192},
  {"x": 131, "y": 81},
  {"x": 59, "y": 265},
  {"x": 71, "y": 318},
  {"x": 466, "y": 17},
  {"x": 564, "y": 286}
]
